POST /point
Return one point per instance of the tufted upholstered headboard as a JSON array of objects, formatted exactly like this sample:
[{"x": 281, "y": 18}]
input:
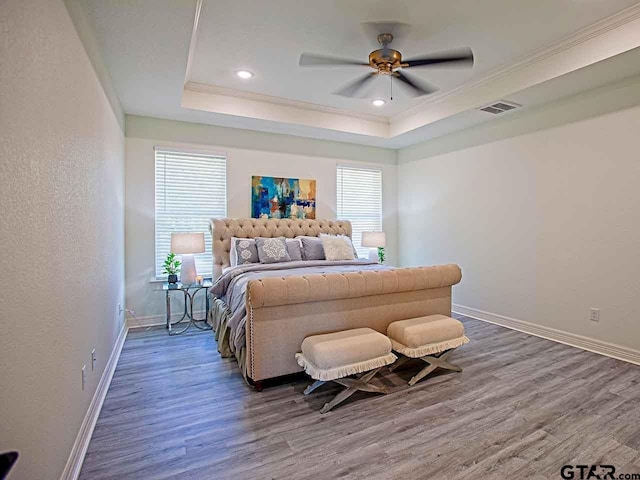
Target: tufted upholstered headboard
[{"x": 222, "y": 229}]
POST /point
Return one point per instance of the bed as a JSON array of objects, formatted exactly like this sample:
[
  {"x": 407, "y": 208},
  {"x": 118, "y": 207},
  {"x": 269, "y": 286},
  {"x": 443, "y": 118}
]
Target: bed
[{"x": 261, "y": 312}]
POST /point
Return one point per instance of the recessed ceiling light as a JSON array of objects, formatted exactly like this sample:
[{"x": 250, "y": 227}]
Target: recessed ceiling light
[
  {"x": 244, "y": 74},
  {"x": 378, "y": 102}
]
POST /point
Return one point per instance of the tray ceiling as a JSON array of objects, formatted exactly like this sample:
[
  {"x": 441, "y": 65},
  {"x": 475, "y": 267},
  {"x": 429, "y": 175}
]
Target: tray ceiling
[{"x": 165, "y": 64}]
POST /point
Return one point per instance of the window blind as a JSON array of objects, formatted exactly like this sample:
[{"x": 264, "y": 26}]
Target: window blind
[
  {"x": 359, "y": 192},
  {"x": 191, "y": 188}
]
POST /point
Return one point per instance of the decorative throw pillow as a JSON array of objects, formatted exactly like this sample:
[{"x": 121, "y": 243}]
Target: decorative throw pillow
[
  {"x": 233, "y": 254},
  {"x": 346, "y": 239},
  {"x": 294, "y": 249},
  {"x": 246, "y": 251},
  {"x": 337, "y": 248},
  {"x": 272, "y": 250},
  {"x": 312, "y": 248}
]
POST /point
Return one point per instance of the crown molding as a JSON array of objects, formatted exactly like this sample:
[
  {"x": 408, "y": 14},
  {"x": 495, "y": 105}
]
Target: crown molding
[
  {"x": 286, "y": 102},
  {"x": 193, "y": 41},
  {"x": 581, "y": 36}
]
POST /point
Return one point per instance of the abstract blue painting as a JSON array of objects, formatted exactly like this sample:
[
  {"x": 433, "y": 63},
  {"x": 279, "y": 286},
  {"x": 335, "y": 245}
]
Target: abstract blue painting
[{"x": 273, "y": 197}]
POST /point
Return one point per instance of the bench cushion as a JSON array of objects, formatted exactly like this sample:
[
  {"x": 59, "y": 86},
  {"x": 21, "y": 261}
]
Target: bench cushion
[
  {"x": 336, "y": 355},
  {"x": 421, "y": 336}
]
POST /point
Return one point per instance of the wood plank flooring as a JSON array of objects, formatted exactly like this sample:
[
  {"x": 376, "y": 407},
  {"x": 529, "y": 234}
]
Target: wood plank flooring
[{"x": 522, "y": 408}]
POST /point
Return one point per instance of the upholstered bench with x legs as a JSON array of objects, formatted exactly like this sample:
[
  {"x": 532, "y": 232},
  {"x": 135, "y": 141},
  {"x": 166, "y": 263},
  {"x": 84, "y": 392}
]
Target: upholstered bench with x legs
[
  {"x": 431, "y": 339},
  {"x": 334, "y": 357}
]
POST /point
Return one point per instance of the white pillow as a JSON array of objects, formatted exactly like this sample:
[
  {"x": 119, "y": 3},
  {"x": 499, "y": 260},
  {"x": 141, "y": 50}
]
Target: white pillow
[
  {"x": 337, "y": 248},
  {"x": 346, "y": 238}
]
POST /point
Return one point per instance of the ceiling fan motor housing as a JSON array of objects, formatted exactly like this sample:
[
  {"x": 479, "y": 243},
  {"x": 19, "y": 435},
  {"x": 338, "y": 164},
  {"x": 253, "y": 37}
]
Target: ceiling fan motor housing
[{"x": 385, "y": 60}]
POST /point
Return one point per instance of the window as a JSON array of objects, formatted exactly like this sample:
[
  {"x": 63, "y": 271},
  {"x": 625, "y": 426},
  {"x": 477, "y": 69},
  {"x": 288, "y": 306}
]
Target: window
[
  {"x": 191, "y": 188},
  {"x": 360, "y": 201}
]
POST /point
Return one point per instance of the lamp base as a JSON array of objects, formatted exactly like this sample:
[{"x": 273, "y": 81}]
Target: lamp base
[
  {"x": 188, "y": 270},
  {"x": 373, "y": 254}
]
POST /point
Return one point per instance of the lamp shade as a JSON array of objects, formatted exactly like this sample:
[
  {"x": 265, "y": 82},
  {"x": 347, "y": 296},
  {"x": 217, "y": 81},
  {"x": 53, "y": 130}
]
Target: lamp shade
[
  {"x": 187, "y": 243},
  {"x": 374, "y": 239}
]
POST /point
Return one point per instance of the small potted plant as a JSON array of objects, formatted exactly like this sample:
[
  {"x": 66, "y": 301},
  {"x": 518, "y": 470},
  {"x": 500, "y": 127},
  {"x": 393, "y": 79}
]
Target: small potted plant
[{"x": 172, "y": 267}]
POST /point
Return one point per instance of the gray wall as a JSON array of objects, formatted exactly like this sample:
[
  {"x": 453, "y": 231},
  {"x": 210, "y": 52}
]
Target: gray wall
[
  {"x": 61, "y": 235},
  {"x": 248, "y": 153},
  {"x": 540, "y": 210}
]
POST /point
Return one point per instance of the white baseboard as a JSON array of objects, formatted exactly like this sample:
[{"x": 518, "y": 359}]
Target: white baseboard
[
  {"x": 586, "y": 343},
  {"x": 76, "y": 458},
  {"x": 147, "y": 321},
  {"x": 155, "y": 320}
]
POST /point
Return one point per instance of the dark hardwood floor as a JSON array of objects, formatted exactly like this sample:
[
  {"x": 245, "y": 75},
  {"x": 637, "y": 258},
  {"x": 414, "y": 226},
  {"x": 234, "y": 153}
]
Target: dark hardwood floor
[{"x": 522, "y": 408}]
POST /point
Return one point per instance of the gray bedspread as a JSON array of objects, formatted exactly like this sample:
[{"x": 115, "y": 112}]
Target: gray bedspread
[{"x": 231, "y": 287}]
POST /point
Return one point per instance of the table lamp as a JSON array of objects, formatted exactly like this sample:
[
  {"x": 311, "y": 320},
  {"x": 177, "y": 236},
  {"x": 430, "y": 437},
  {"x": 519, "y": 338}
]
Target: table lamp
[
  {"x": 186, "y": 244},
  {"x": 376, "y": 241}
]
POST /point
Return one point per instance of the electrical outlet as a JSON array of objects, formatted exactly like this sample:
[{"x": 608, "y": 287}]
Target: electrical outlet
[
  {"x": 595, "y": 315},
  {"x": 93, "y": 359},
  {"x": 84, "y": 376}
]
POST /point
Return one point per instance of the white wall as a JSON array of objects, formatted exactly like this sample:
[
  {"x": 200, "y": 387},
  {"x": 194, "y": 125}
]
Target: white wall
[
  {"x": 544, "y": 224},
  {"x": 61, "y": 234},
  {"x": 248, "y": 153}
]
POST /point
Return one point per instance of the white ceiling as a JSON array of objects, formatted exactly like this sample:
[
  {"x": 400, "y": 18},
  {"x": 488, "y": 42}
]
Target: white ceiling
[
  {"x": 147, "y": 45},
  {"x": 267, "y": 38}
]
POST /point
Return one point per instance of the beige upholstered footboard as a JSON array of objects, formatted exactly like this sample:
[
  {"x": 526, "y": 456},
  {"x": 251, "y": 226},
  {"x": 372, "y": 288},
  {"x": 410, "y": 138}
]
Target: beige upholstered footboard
[{"x": 283, "y": 311}]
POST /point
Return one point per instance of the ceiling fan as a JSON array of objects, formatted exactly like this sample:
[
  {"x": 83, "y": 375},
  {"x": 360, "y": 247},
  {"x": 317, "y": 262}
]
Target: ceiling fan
[{"x": 387, "y": 61}]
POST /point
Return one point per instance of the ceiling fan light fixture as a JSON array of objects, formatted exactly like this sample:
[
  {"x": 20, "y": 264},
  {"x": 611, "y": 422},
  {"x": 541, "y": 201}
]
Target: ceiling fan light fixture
[
  {"x": 378, "y": 102},
  {"x": 244, "y": 74}
]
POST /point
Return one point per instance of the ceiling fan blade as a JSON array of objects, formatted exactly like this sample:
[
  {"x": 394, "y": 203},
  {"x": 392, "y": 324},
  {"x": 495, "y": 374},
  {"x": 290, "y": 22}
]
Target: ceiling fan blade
[
  {"x": 353, "y": 88},
  {"x": 457, "y": 58},
  {"x": 417, "y": 87},
  {"x": 310, "y": 60},
  {"x": 397, "y": 29}
]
